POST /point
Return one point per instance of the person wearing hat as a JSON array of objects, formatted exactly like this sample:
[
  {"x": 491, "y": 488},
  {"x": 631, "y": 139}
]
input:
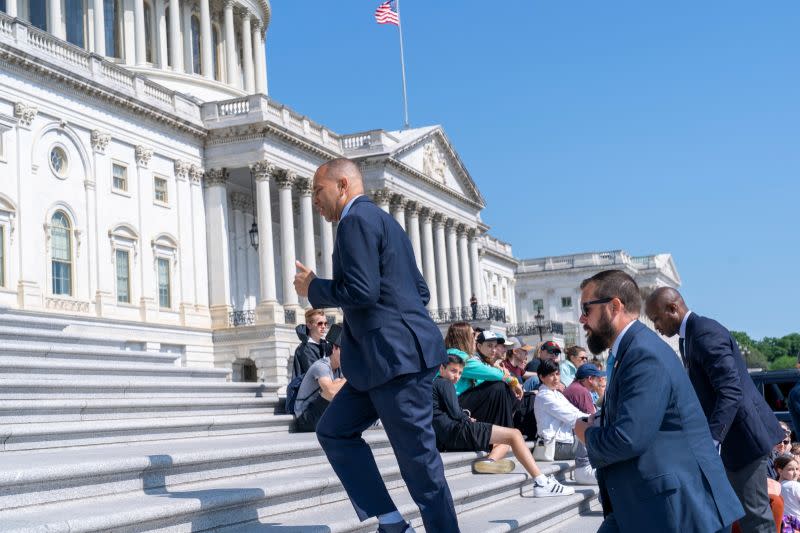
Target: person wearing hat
[
  {"x": 516, "y": 357},
  {"x": 579, "y": 392},
  {"x": 550, "y": 351},
  {"x": 320, "y": 384}
]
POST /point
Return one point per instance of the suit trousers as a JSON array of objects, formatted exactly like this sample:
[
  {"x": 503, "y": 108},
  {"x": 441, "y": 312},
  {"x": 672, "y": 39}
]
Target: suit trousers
[
  {"x": 405, "y": 408},
  {"x": 749, "y": 484}
]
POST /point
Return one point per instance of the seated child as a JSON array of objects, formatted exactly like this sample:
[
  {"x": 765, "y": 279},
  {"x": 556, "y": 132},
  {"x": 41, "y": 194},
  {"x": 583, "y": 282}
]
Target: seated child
[
  {"x": 787, "y": 469},
  {"x": 455, "y": 431}
]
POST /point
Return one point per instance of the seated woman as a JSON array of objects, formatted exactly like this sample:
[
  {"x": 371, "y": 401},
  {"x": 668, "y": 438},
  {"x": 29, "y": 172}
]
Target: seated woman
[
  {"x": 489, "y": 393},
  {"x": 555, "y": 419},
  {"x": 455, "y": 431}
]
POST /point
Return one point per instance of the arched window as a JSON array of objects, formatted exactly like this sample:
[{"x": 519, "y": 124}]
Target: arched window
[
  {"x": 37, "y": 13},
  {"x": 74, "y": 12},
  {"x": 148, "y": 33},
  {"x": 112, "y": 13},
  {"x": 216, "y": 52},
  {"x": 61, "y": 253},
  {"x": 196, "y": 63}
]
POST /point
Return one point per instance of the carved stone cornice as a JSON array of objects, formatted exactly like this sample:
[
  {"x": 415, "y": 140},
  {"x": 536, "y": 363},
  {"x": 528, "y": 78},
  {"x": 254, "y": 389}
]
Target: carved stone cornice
[
  {"x": 304, "y": 186},
  {"x": 241, "y": 202},
  {"x": 216, "y": 176},
  {"x": 263, "y": 170},
  {"x": 25, "y": 113},
  {"x": 285, "y": 179},
  {"x": 100, "y": 141},
  {"x": 196, "y": 174},
  {"x": 382, "y": 196},
  {"x": 143, "y": 156},
  {"x": 182, "y": 169}
]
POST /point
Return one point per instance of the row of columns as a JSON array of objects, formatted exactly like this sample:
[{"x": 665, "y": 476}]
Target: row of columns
[{"x": 446, "y": 250}]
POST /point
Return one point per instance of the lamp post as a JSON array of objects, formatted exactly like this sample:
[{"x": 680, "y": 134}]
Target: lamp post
[
  {"x": 254, "y": 227},
  {"x": 539, "y": 322}
]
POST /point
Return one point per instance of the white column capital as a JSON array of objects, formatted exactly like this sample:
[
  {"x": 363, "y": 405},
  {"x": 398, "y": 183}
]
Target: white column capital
[
  {"x": 285, "y": 179},
  {"x": 182, "y": 170},
  {"x": 304, "y": 186},
  {"x": 100, "y": 141},
  {"x": 25, "y": 113},
  {"x": 263, "y": 170},
  {"x": 216, "y": 176},
  {"x": 143, "y": 156}
]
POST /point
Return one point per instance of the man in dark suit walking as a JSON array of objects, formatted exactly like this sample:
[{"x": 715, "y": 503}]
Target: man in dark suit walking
[
  {"x": 390, "y": 351},
  {"x": 657, "y": 467},
  {"x": 742, "y": 425}
]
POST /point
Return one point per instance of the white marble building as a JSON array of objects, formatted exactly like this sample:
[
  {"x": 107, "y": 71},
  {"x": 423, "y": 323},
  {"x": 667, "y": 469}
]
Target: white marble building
[{"x": 136, "y": 169}]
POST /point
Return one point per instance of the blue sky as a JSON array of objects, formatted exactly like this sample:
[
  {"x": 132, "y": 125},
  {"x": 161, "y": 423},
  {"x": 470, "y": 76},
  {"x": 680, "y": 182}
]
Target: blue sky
[{"x": 644, "y": 126}]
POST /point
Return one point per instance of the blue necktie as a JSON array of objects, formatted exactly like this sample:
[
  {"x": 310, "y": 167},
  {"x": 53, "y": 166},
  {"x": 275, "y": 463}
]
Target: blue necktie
[{"x": 609, "y": 368}]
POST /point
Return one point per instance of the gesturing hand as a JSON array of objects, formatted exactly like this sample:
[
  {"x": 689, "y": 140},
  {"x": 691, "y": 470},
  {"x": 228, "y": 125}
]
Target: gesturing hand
[{"x": 303, "y": 279}]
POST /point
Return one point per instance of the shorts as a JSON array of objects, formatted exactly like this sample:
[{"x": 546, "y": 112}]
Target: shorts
[{"x": 468, "y": 437}]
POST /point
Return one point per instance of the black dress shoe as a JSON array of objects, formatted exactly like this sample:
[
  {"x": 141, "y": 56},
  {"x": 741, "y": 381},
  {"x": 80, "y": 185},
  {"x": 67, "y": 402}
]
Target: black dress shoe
[{"x": 400, "y": 527}]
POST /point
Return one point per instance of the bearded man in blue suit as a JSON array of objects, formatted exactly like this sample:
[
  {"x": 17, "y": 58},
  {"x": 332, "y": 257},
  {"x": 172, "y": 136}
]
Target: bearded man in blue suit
[
  {"x": 390, "y": 352},
  {"x": 657, "y": 466}
]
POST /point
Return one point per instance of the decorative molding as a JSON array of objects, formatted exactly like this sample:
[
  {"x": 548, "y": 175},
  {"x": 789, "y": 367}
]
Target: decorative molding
[
  {"x": 438, "y": 219},
  {"x": 25, "y": 113},
  {"x": 196, "y": 174},
  {"x": 261, "y": 131},
  {"x": 398, "y": 202},
  {"x": 100, "y": 141},
  {"x": 182, "y": 170},
  {"x": 381, "y": 196},
  {"x": 426, "y": 214},
  {"x": 285, "y": 179},
  {"x": 304, "y": 186},
  {"x": 263, "y": 170},
  {"x": 143, "y": 156},
  {"x": 216, "y": 176},
  {"x": 64, "y": 304},
  {"x": 433, "y": 162},
  {"x": 461, "y": 229},
  {"x": 412, "y": 208},
  {"x": 450, "y": 224}
]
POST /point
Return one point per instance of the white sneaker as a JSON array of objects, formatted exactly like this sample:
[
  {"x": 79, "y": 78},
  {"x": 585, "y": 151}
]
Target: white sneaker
[
  {"x": 551, "y": 488},
  {"x": 585, "y": 475}
]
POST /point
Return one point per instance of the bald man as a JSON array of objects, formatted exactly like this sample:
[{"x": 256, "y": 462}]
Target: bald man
[
  {"x": 742, "y": 424},
  {"x": 390, "y": 351}
]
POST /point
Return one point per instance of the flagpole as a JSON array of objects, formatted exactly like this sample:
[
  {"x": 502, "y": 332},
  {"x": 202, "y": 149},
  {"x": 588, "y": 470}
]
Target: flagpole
[{"x": 403, "y": 68}]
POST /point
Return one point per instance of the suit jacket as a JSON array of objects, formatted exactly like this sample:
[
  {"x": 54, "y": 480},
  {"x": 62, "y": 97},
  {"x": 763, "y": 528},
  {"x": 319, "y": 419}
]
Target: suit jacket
[
  {"x": 387, "y": 329},
  {"x": 655, "y": 458},
  {"x": 737, "y": 414}
]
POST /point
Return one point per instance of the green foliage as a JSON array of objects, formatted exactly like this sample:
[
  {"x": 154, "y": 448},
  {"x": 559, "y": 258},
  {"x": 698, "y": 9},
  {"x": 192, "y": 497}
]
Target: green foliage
[
  {"x": 773, "y": 352},
  {"x": 783, "y": 362}
]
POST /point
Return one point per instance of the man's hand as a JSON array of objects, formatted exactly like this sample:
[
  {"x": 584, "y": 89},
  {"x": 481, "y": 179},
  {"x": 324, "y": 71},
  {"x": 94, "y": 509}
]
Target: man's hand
[
  {"x": 303, "y": 279},
  {"x": 580, "y": 430}
]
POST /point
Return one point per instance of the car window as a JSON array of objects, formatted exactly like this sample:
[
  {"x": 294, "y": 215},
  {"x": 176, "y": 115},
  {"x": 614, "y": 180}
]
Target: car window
[{"x": 777, "y": 393}]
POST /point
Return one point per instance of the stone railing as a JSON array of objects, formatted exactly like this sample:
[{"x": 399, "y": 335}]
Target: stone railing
[
  {"x": 533, "y": 328},
  {"x": 565, "y": 262},
  {"x": 258, "y": 108},
  {"x": 367, "y": 141},
  {"x": 241, "y": 318},
  {"x": 465, "y": 314},
  {"x": 94, "y": 68}
]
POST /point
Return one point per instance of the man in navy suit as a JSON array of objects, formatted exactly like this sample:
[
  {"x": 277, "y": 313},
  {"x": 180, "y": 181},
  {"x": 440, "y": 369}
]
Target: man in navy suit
[
  {"x": 657, "y": 467},
  {"x": 742, "y": 425},
  {"x": 390, "y": 351}
]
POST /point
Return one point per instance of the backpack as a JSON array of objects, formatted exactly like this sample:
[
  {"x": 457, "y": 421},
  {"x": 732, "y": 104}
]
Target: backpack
[{"x": 291, "y": 393}]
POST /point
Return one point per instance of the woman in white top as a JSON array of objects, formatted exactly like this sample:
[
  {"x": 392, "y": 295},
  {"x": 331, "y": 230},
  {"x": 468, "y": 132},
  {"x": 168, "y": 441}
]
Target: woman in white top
[{"x": 555, "y": 419}]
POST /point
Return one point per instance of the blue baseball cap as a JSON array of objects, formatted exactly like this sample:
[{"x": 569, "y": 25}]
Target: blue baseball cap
[{"x": 588, "y": 370}]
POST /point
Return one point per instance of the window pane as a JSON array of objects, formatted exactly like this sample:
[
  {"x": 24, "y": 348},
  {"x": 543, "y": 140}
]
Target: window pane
[
  {"x": 123, "y": 277},
  {"x": 163, "y": 283},
  {"x": 160, "y": 190},
  {"x": 120, "y": 177},
  {"x": 74, "y": 14},
  {"x": 538, "y": 304},
  {"x": 566, "y": 301},
  {"x": 59, "y": 236},
  {"x": 62, "y": 278},
  {"x": 38, "y": 14},
  {"x": 3, "y": 6},
  {"x": 2, "y": 256},
  {"x": 111, "y": 15}
]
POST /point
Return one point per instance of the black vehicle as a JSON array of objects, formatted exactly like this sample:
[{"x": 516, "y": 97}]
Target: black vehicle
[{"x": 775, "y": 386}]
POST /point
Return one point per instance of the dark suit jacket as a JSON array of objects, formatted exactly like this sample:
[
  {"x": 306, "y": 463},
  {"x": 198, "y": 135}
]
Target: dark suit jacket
[
  {"x": 387, "y": 330},
  {"x": 657, "y": 466},
  {"x": 737, "y": 414}
]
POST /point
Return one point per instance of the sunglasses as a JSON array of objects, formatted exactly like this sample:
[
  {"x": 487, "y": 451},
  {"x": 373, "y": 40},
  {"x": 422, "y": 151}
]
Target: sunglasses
[
  {"x": 322, "y": 324},
  {"x": 585, "y": 305}
]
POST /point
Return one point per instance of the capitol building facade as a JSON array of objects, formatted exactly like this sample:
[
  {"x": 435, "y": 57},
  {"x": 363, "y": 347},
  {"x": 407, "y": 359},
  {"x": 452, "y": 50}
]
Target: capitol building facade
[{"x": 152, "y": 191}]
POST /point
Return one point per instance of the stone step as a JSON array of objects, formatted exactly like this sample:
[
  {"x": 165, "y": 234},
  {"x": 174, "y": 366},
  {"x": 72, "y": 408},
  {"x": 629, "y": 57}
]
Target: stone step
[
  {"x": 291, "y": 494},
  {"x": 103, "y": 432},
  {"x": 58, "y": 351},
  {"x": 22, "y": 333},
  {"x": 16, "y": 318},
  {"x": 72, "y": 410},
  {"x": 48, "y": 476},
  {"x": 44, "y": 369},
  {"x": 81, "y": 387}
]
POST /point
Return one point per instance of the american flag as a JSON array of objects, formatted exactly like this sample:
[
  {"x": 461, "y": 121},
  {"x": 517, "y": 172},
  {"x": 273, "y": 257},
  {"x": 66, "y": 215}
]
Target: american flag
[{"x": 385, "y": 14}]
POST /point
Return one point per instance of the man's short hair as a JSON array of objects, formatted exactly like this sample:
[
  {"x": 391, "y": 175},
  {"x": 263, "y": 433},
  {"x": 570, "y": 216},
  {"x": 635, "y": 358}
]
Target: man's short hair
[
  {"x": 312, "y": 313},
  {"x": 617, "y": 284},
  {"x": 547, "y": 367}
]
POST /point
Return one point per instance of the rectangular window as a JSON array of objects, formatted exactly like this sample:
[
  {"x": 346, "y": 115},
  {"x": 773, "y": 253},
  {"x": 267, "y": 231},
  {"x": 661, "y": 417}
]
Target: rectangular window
[
  {"x": 160, "y": 190},
  {"x": 62, "y": 261},
  {"x": 566, "y": 302},
  {"x": 120, "y": 173},
  {"x": 123, "y": 276},
  {"x": 2, "y": 256},
  {"x": 538, "y": 304},
  {"x": 163, "y": 283}
]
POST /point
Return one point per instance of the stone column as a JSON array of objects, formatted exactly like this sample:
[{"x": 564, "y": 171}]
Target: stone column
[
  {"x": 241, "y": 204},
  {"x": 186, "y": 49},
  {"x": 399, "y": 210},
  {"x": 382, "y": 197},
  {"x": 260, "y": 57},
  {"x": 309, "y": 255},
  {"x": 268, "y": 310},
  {"x": 441, "y": 261},
  {"x": 99, "y": 24},
  {"x": 103, "y": 296},
  {"x": 230, "y": 47},
  {"x": 29, "y": 292},
  {"x": 200, "y": 255},
  {"x": 413, "y": 231},
  {"x": 55, "y": 19},
  {"x": 252, "y": 264},
  {"x": 285, "y": 181},
  {"x": 160, "y": 58},
  {"x": 475, "y": 267},
  {"x": 148, "y": 304},
  {"x": 185, "y": 228},
  {"x": 247, "y": 55},
  {"x": 206, "y": 51},
  {"x": 11, "y": 8},
  {"x": 326, "y": 248},
  {"x": 452, "y": 265},
  {"x": 463, "y": 259},
  {"x": 216, "y": 181},
  {"x": 175, "y": 48},
  {"x": 138, "y": 31},
  {"x": 428, "y": 260}
]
